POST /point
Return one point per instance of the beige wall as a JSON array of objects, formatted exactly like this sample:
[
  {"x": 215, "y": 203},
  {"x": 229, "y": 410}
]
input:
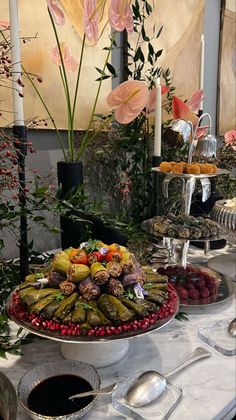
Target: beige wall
[{"x": 227, "y": 85}]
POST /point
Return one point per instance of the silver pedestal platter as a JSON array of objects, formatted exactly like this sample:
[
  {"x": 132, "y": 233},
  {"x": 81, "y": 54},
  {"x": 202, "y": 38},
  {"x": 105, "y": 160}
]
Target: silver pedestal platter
[{"x": 96, "y": 350}]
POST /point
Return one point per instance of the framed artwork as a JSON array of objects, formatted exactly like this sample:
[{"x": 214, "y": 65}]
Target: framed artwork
[
  {"x": 180, "y": 41},
  {"x": 226, "y": 104}
]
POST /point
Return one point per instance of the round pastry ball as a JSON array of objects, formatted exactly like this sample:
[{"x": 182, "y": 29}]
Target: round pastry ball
[
  {"x": 193, "y": 168},
  {"x": 165, "y": 167}
]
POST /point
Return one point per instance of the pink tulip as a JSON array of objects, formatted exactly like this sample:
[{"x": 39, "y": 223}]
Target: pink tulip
[
  {"x": 91, "y": 20},
  {"x": 152, "y": 98},
  {"x": 128, "y": 100},
  {"x": 69, "y": 62},
  {"x": 121, "y": 16},
  {"x": 4, "y": 24},
  {"x": 230, "y": 138},
  {"x": 56, "y": 12}
]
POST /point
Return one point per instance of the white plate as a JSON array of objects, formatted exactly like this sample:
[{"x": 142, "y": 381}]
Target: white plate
[{"x": 224, "y": 264}]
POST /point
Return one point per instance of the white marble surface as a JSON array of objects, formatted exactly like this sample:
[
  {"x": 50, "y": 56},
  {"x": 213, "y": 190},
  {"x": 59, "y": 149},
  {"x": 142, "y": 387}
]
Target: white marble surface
[{"x": 208, "y": 385}]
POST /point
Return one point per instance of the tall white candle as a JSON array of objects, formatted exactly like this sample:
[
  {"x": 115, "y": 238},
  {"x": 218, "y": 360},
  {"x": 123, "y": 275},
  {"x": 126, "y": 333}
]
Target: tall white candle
[
  {"x": 201, "y": 76},
  {"x": 18, "y": 108},
  {"x": 157, "y": 130}
]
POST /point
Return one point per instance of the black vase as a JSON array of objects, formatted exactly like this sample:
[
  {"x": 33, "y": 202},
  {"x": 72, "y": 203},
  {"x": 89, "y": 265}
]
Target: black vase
[{"x": 70, "y": 177}]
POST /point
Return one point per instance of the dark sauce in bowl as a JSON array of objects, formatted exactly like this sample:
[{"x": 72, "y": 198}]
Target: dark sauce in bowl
[{"x": 50, "y": 397}]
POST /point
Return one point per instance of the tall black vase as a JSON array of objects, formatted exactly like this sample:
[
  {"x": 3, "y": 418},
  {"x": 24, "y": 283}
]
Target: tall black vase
[{"x": 70, "y": 177}]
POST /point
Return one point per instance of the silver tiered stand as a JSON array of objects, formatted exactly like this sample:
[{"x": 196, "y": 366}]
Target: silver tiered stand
[{"x": 181, "y": 246}]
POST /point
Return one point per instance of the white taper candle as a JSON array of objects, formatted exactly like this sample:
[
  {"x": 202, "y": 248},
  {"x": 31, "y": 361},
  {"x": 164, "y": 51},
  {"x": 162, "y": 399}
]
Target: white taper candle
[
  {"x": 157, "y": 130},
  {"x": 201, "y": 76},
  {"x": 18, "y": 108}
]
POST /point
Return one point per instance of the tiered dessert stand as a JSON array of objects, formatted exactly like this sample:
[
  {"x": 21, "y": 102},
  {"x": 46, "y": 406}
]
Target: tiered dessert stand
[{"x": 189, "y": 183}]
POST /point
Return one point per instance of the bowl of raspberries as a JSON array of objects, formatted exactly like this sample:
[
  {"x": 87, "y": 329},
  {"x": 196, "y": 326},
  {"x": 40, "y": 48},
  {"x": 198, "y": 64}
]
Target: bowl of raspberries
[{"x": 195, "y": 285}]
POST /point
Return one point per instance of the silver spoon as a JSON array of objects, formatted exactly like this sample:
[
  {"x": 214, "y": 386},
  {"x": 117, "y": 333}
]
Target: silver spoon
[
  {"x": 107, "y": 390},
  {"x": 150, "y": 385},
  {"x": 232, "y": 328}
]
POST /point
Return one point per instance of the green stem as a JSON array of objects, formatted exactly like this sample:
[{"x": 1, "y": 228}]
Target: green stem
[
  {"x": 70, "y": 145},
  {"x": 67, "y": 92},
  {"x": 96, "y": 99},
  {"x": 78, "y": 78}
]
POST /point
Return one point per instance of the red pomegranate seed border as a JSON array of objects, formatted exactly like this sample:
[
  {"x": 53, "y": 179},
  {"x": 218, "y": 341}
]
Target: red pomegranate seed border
[{"x": 38, "y": 322}]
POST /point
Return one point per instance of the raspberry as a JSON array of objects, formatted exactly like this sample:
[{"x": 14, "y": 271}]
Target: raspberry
[
  {"x": 212, "y": 290},
  {"x": 210, "y": 281},
  {"x": 204, "y": 292},
  {"x": 182, "y": 292},
  {"x": 189, "y": 285},
  {"x": 193, "y": 294},
  {"x": 200, "y": 284}
]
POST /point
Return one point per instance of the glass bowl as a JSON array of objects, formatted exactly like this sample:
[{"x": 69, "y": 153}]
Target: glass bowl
[
  {"x": 160, "y": 409},
  {"x": 47, "y": 370}
]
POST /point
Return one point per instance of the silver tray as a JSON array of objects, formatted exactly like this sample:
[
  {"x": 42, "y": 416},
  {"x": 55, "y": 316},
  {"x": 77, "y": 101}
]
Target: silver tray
[
  {"x": 188, "y": 176},
  {"x": 83, "y": 339},
  {"x": 146, "y": 225},
  {"x": 225, "y": 292}
]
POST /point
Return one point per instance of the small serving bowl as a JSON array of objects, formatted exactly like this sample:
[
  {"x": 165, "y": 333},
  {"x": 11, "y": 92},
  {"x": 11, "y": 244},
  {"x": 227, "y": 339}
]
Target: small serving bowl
[
  {"x": 47, "y": 370},
  {"x": 8, "y": 399}
]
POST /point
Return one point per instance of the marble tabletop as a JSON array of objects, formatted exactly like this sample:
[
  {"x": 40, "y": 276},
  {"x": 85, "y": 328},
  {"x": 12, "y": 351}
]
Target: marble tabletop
[{"x": 208, "y": 385}]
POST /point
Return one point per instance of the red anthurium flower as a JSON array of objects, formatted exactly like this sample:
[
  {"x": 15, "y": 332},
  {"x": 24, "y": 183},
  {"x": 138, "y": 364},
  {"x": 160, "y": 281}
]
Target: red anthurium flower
[
  {"x": 4, "y": 24},
  {"x": 152, "y": 98},
  {"x": 91, "y": 19},
  {"x": 181, "y": 110},
  {"x": 69, "y": 61},
  {"x": 56, "y": 12},
  {"x": 230, "y": 138},
  {"x": 195, "y": 100},
  {"x": 128, "y": 100},
  {"x": 121, "y": 16}
]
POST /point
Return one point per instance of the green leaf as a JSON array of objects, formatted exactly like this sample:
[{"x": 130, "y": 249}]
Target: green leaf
[
  {"x": 111, "y": 69},
  {"x": 148, "y": 8},
  {"x": 139, "y": 55},
  {"x": 102, "y": 78},
  {"x": 145, "y": 37},
  {"x": 99, "y": 70},
  {"x": 158, "y": 53},
  {"x": 19, "y": 331},
  {"x": 3, "y": 354},
  {"x": 182, "y": 316},
  {"x": 159, "y": 32},
  {"x": 150, "y": 48}
]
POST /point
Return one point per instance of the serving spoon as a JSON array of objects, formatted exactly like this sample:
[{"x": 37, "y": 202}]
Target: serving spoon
[
  {"x": 150, "y": 385},
  {"x": 232, "y": 328},
  {"x": 106, "y": 390}
]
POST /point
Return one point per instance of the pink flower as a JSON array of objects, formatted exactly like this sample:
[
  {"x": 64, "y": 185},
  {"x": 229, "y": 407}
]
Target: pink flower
[
  {"x": 4, "y": 24},
  {"x": 230, "y": 138},
  {"x": 128, "y": 100},
  {"x": 56, "y": 12},
  {"x": 152, "y": 98},
  {"x": 195, "y": 100},
  {"x": 182, "y": 111},
  {"x": 91, "y": 20},
  {"x": 69, "y": 61},
  {"x": 121, "y": 16}
]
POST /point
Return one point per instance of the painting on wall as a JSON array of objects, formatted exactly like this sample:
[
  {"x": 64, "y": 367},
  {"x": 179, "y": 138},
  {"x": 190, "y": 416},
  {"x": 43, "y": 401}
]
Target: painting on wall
[
  {"x": 180, "y": 40},
  {"x": 36, "y": 58},
  {"x": 226, "y": 115}
]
